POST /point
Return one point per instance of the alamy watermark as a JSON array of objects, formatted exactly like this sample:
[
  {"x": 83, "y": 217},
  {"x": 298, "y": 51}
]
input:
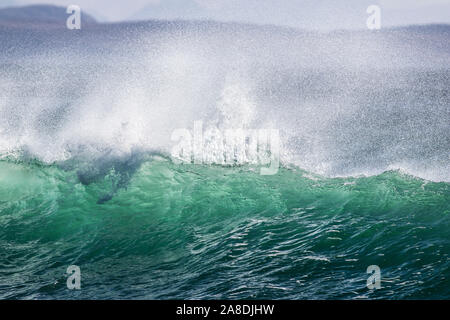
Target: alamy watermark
[
  {"x": 74, "y": 278},
  {"x": 374, "y": 280},
  {"x": 373, "y": 22},
  {"x": 74, "y": 20},
  {"x": 228, "y": 147}
]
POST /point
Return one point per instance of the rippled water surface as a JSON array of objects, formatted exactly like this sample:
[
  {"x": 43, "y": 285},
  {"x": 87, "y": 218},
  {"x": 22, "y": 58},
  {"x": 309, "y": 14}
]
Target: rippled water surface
[{"x": 188, "y": 231}]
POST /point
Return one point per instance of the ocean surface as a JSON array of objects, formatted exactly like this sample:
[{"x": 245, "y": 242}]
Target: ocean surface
[
  {"x": 203, "y": 232},
  {"x": 87, "y": 177}
]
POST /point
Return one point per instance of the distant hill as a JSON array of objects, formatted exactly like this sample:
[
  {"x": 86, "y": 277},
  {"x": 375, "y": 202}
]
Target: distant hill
[
  {"x": 323, "y": 15},
  {"x": 171, "y": 10},
  {"x": 38, "y": 15}
]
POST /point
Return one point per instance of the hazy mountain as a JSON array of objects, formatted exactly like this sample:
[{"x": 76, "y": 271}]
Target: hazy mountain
[
  {"x": 305, "y": 14},
  {"x": 47, "y": 15},
  {"x": 428, "y": 14},
  {"x": 172, "y": 9}
]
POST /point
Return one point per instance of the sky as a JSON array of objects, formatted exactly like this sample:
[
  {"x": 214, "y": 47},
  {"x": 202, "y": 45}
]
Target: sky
[{"x": 309, "y": 14}]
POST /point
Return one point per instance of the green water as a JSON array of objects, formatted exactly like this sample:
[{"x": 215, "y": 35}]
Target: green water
[{"x": 204, "y": 232}]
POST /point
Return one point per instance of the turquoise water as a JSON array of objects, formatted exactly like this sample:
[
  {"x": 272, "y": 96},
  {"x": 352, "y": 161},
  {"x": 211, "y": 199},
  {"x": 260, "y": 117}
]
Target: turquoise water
[{"x": 205, "y": 232}]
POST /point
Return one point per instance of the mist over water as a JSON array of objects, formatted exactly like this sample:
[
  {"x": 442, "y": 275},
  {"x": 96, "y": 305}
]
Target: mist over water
[
  {"x": 345, "y": 103},
  {"x": 86, "y": 119}
]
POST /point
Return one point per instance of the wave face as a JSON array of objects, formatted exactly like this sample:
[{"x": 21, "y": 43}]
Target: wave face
[
  {"x": 204, "y": 232},
  {"x": 86, "y": 120}
]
